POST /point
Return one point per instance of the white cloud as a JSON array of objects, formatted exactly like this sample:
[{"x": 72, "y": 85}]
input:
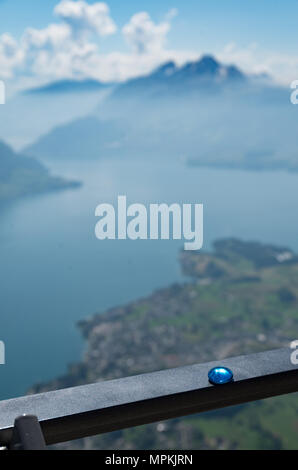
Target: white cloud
[
  {"x": 10, "y": 55},
  {"x": 171, "y": 14},
  {"x": 145, "y": 36},
  {"x": 53, "y": 52},
  {"x": 50, "y": 38},
  {"x": 253, "y": 60},
  {"x": 70, "y": 48},
  {"x": 61, "y": 49},
  {"x": 84, "y": 18},
  {"x": 117, "y": 66}
]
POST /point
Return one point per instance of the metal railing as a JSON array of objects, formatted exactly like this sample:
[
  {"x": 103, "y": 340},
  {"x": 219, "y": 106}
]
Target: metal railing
[{"x": 78, "y": 412}]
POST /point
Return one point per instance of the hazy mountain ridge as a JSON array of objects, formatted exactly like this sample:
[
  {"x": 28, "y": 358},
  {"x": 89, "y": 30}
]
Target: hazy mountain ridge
[
  {"x": 22, "y": 176},
  {"x": 251, "y": 306},
  {"x": 205, "y": 113},
  {"x": 205, "y": 71},
  {"x": 29, "y": 115},
  {"x": 83, "y": 139},
  {"x": 202, "y": 75},
  {"x": 69, "y": 86}
]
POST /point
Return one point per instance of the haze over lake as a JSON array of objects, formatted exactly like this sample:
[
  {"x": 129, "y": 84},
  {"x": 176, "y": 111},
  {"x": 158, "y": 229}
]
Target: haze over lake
[{"x": 55, "y": 272}]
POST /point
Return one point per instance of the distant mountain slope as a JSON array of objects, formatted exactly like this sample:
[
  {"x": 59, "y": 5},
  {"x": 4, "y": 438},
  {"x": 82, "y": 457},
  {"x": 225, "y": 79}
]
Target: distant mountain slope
[
  {"x": 204, "y": 113},
  {"x": 82, "y": 139},
  {"x": 69, "y": 86},
  {"x": 27, "y": 116},
  {"x": 251, "y": 306},
  {"x": 22, "y": 176},
  {"x": 202, "y": 75}
]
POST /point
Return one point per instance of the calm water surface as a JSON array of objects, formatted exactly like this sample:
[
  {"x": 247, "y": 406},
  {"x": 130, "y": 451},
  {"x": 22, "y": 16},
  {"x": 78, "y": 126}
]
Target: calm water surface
[{"x": 54, "y": 272}]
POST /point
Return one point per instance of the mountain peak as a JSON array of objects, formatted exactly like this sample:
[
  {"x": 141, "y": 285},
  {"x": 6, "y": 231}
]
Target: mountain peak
[
  {"x": 206, "y": 65},
  {"x": 5, "y": 150},
  {"x": 165, "y": 70},
  {"x": 209, "y": 62},
  {"x": 200, "y": 75}
]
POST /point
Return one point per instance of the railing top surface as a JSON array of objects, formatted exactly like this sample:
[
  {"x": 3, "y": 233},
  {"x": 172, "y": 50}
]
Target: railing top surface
[{"x": 109, "y": 405}]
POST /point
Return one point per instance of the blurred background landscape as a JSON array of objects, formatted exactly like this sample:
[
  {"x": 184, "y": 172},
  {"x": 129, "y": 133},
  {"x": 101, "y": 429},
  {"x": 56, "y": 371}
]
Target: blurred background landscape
[{"x": 185, "y": 102}]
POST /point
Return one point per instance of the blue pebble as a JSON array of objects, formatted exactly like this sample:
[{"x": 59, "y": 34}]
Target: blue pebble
[{"x": 220, "y": 375}]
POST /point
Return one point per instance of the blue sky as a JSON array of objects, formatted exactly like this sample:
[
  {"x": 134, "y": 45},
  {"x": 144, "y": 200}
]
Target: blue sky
[
  {"x": 256, "y": 34},
  {"x": 271, "y": 23}
]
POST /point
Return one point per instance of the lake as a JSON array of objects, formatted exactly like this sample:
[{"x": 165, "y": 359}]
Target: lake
[{"x": 54, "y": 272}]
